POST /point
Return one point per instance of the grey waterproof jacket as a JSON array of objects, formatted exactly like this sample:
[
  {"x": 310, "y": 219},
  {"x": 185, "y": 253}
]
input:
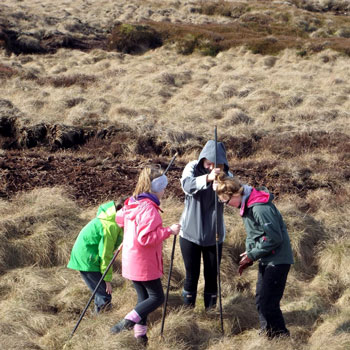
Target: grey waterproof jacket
[{"x": 198, "y": 216}]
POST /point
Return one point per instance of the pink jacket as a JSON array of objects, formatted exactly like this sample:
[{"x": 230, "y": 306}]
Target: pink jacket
[{"x": 143, "y": 240}]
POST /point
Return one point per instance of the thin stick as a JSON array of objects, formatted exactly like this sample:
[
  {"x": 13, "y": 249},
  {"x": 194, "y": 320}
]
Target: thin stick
[
  {"x": 217, "y": 240},
  {"x": 168, "y": 286},
  {"x": 170, "y": 164},
  {"x": 171, "y": 264}
]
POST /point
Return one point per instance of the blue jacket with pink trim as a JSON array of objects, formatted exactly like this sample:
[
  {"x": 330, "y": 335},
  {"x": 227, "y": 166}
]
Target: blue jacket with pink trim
[{"x": 267, "y": 236}]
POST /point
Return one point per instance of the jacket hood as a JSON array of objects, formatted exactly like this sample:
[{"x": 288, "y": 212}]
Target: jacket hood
[
  {"x": 150, "y": 196},
  {"x": 132, "y": 206},
  {"x": 246, "y": 193},
  {"x": 208, "y": 152},
  {"x": 259, "y": 196},
  {"x": 106, "y": 211},
  {"x": 255, "y": 197}
]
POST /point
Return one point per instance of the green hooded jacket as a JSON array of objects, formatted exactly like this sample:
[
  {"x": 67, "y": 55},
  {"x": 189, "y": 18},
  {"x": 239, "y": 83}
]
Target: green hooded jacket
[
  {"x": 267, "y": 237},
  {"x": 95, "y": 245}
]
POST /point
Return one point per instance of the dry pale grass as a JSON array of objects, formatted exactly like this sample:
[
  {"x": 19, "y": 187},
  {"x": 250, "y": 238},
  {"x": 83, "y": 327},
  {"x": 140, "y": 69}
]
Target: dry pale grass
[
  {"x": 343, "y": 301},
  {"x": 236, "y": 89},
  {"x": 334, "y": 259},
  {"x": 27, "y": 312},
  {"x": 333, "y": 333},
  {"x": 323, "y": 5},
  {"x": 305, "y": 234},
  {"x": 35, "y": 227},
  {"x": 292, "y": 99},
  {"x": 293, "y": 95},
  {"x": 41, "y": 304},
  {"x": 332, "y": 280}
]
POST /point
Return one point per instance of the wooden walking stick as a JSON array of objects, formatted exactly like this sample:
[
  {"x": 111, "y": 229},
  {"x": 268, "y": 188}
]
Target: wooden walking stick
[{"x": 217, "y": 240}]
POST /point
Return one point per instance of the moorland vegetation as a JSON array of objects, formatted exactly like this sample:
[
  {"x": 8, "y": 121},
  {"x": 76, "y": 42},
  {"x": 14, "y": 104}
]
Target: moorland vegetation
[{"x": 93, "y": 90}]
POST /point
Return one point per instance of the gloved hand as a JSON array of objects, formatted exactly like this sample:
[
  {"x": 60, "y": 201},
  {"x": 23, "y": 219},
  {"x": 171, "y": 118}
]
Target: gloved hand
[
  {"x": 244, "y": 263},
  {"x": 175, "y": 229}
]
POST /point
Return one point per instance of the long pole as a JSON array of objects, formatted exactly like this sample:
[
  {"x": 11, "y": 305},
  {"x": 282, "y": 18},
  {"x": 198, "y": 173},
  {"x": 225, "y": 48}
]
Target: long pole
[
  {"x": 217, "y": 239},
  {"x": 171, "y": 264},
  {"x": 95, "y": 290},
  {"x": 168, "y": 286},
  {"x": 170, "y": 164}
]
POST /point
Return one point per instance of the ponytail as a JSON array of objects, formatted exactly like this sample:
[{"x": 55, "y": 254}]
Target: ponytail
[{"x": 145, "y": 179}]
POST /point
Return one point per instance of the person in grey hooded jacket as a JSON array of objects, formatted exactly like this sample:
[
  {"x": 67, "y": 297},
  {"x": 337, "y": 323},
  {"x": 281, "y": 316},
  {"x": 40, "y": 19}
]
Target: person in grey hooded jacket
[{"x": 198, "y": 228}]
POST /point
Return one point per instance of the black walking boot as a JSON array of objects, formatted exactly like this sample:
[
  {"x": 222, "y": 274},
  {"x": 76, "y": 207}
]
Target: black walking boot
[
  {"x": 104, "y": 308},
  {"x": 282, "y": 333},
  {"x": 142, "y": 340},
  {"x": 209, "y": 300},
  {"x": 122, "y": 325},
  {"x": 189, "y": 298}
]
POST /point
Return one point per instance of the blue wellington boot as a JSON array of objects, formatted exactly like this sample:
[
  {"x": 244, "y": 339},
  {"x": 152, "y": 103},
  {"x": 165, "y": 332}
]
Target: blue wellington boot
[
  {"x": 210, "y": 300},
  {"x": 189, "y": 298}
]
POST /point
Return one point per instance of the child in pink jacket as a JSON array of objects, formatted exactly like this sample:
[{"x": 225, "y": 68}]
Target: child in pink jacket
[{"x": 142, "y": 249}]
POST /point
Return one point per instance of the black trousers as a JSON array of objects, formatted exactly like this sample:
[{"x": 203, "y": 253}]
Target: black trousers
[
  {"x": 150, "y": 296},
  {"x": 191, "y": 254},
  {"x": 269, "y": 291},
  {"x": 91, "y": 278}
]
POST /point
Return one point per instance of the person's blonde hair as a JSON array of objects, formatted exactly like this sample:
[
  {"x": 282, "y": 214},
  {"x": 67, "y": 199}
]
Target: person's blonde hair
[
  {"x": 146, "y": 176},
  {"x": 228, "y": 185}
]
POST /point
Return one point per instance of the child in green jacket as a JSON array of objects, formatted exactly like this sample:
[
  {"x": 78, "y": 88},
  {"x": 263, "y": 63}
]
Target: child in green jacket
[{"x": 93, "y": 250}]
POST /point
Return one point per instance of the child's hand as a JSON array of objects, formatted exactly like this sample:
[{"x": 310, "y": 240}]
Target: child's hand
[
  {"x": 108, "y": 288},
  {"x": 212, "y": 175},
  {"x": 175, "y": 228},
  {"x": 244, "y": 262}
]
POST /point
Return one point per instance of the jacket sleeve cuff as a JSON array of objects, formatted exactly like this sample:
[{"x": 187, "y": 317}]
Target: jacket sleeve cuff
[
  {"x": 168, "y": 231},
  {"x": 201, "y": 182},
  {"x": 108, "y": 277},
  {"x": 251, "y": 256}
]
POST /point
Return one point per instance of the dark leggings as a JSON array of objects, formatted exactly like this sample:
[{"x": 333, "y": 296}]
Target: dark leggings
[
  {"x": 150, "y": 296},
  {"x": 191, "y": 254}
]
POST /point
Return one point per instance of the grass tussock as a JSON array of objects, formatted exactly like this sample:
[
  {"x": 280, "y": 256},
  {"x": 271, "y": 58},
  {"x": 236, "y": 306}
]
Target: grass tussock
[
  {"x": 333, "y": 333},
  {"x": 35, "y": 227},
  {"x": 65, "y": 81},
  {"x": 334, "y": 260},
  {"x": 223, "y": 8},
  {"x": 273, "y": 78},
  {"x": 32, "y": 306},
  {"x": 133, "y": 38},
  {"x": 7, "y": 72},
  {"x": 261, "y": 31},
  {"x": 338, "y": 6},
  {"x": 240, "y": 313},
  {"x": 27, "y": 312},
  {"x": 184, "y": 331},
  {"x": 209, "y": 39},
  {"x": 305, "y": 234},
  {"x": 305, "y": 310}
]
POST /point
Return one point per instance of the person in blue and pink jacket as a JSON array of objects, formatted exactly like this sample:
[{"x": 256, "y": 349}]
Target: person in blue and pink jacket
[
  {"x": 142, "y": 261},
  {"x": 268, "y": 242}
]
